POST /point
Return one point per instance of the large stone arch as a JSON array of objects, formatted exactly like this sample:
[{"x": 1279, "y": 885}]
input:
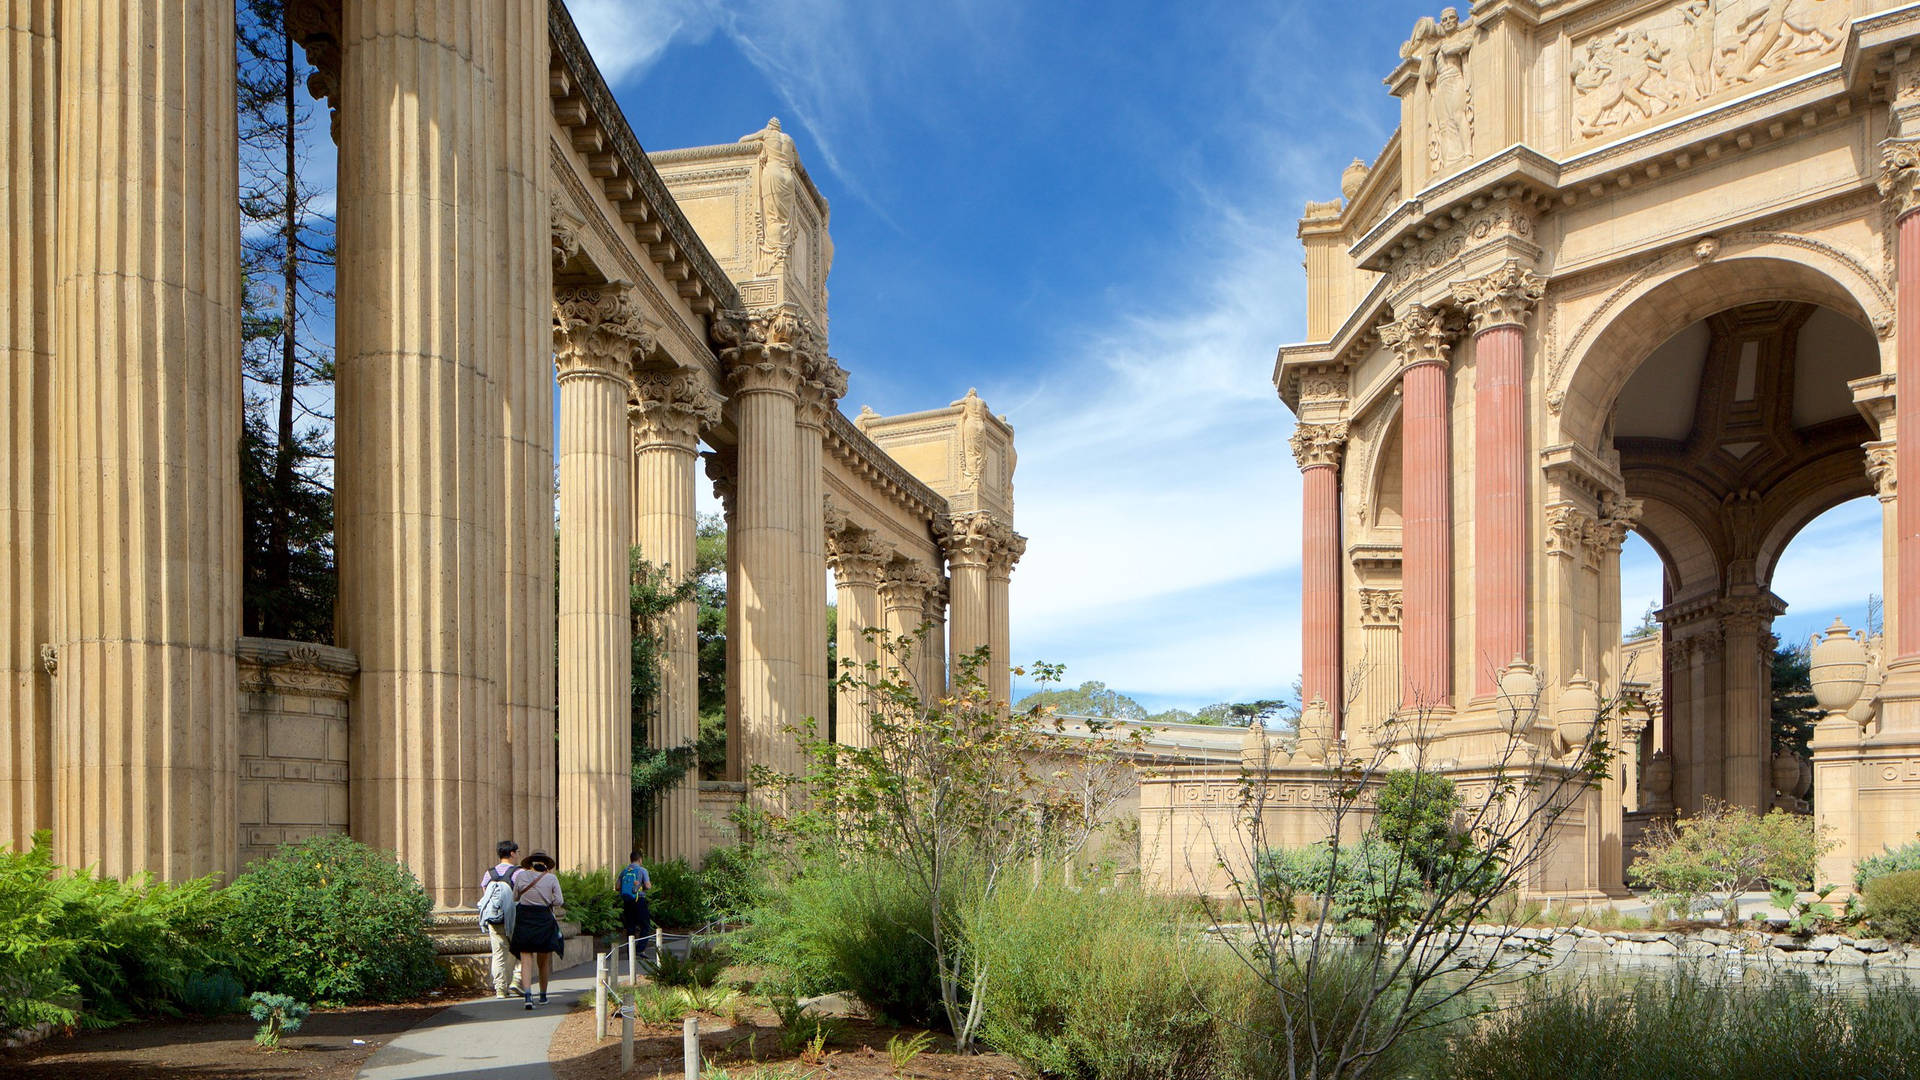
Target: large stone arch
[
  {"x": 1678, "y": 289},
  {"x": 1687, "y": 558}
]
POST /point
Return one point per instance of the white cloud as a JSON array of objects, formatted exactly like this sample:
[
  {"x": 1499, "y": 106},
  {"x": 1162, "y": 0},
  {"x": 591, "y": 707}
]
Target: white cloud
[{"x": 626, "y": 37}]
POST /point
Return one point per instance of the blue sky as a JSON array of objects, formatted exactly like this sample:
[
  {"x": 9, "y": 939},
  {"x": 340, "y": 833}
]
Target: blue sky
[{"x": 1087, "y": 211}]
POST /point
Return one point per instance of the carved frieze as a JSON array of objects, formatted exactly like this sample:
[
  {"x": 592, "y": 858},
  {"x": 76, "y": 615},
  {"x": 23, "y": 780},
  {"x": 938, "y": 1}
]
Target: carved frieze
[
  {"x": 597, "y": 331},
  {"x": 1502, "y": 298},
  {"x": 1508, "y": 219},
  {"x": 1318, "y": 444},
  {"x": 1681, "y": 56},
  {"x": 671, "y": 407}
]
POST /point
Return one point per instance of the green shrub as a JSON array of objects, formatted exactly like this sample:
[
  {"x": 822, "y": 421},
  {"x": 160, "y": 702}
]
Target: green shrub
[
  {"x": 277, "y": 1015},
  {"x": 678, "y": 900},
  {"x": 213, "y": 994},
  {"x": 1101, "y": 986},
  {"x": 1890, "y": 861},
  {"x": 859, "y": 927},
  {"x": 592, "y": 900},
  {"x": 78, "y": 948},
  {"x": 700, "y": 968},
  {"x": 1725, "y": 850},
  {"x": 333, "y": 921},
  {"x": 1893, "y": 904},
  {"x": 1415, "y": 816},
  {"x": 1687, "y": 1027},
  {"x": 733, "y": 881}
]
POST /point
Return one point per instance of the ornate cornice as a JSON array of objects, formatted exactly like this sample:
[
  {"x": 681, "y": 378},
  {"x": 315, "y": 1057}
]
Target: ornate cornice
[
  {"x": 671, "y": 408},
  {"x": 1419, "y": 336},
  {"x": 597, "y": 329},
  {"x": 767, "y": 350},
  {"x": 1502, "y": 298},
  {"x": 1317, "y": 445},
  {"x": 1899, "y": 180}
]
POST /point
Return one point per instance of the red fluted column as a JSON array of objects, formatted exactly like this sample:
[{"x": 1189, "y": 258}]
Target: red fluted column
[
  {"x": 1316, "y": 448},
  {"x": 1907, "y": 423},
  {"x": 1426, "y": 683},
  {"x": 1499, "y": 303}
]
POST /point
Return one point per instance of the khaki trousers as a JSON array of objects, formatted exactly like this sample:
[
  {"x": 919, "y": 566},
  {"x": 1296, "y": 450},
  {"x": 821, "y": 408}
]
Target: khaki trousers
[{"x": 502, "y": 960}]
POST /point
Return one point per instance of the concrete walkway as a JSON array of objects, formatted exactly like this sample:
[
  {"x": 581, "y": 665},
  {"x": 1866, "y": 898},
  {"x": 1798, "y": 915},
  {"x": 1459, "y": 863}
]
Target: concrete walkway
[{"x": 489, "y": 1038}]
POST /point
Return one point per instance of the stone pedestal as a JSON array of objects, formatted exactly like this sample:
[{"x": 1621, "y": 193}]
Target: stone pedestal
[
  {"x": 597, "y": 333},
  {"x": 29, "y": 98},
  {"x": 148, "y": 419},
  {"x": 670, "y": 410}
]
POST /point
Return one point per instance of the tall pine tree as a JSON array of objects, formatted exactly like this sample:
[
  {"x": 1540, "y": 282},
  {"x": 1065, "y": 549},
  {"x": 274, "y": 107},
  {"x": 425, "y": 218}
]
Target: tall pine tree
[{"x": 287, "y": 263}]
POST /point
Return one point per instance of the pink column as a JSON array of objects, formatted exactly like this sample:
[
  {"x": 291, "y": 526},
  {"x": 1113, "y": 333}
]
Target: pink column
[
  {"x": 1499, "y": 501},
  {"x": 1426, "y": 535},
  {"x": 1906, "y": 465},
  {"x": 1316, "y": 447}
]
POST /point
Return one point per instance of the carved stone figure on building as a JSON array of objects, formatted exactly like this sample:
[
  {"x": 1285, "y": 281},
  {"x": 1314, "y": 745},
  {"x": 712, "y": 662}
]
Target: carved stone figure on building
[
  {"x": 1442, "y": 48},
  {"x": 973, "y": 434},
  {"x": 777, "y": 179}
]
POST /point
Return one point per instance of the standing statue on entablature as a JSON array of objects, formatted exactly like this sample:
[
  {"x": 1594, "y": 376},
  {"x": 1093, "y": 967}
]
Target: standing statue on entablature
[
  {"x": 777, "y": 179},
  {"x": 1442, "y": 48}
]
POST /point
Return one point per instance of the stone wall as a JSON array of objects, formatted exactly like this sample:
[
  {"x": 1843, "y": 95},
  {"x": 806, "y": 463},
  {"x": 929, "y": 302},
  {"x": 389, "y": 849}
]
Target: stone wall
[
  {"x": 718, "y": 800},
  {"x": 293, "y": 742}
]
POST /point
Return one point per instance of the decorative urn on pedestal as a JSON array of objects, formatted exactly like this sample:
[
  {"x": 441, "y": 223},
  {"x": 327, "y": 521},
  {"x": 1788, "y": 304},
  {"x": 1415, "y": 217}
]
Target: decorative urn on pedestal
[
  {"x": 1316, "y": 732},
  {"x": 1837, "y": 668},
  {"x": 1656, "y": 783},
  {"x": 1256, "y": 749},
  {"x": 1519, "y": 704},
  {"x": 1578, "y": 713}
]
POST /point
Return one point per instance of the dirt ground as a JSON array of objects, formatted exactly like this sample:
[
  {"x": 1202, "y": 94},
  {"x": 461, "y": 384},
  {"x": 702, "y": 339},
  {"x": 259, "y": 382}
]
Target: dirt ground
[
  {"x": 323, "y": 1048},
  {"x": 753, "y": 1046}
]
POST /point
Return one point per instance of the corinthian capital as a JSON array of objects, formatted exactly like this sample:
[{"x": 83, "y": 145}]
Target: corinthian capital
[
  {"x": 1379, "y": 607},
  {"x": 766, "y": 349},
  {"x": 824, "y": 383},
  {"x": 979, "y": 539},
  {"x": 1418, "y": 336},
  {"x": 1899, "y": 180},
  {"x": 856, "y": 555},
  {"x": 904, "y": 583},
  {"x": 672, "y": 408},
  {"x": 1880, "y": 467},
  {"x": 597, "y": 329},
  {"x": 1502, "y": 298},
  {"x": 1318, "y": 444}
]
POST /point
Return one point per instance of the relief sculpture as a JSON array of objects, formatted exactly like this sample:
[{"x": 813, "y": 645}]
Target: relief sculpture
[
  {"x": 1442, "y": 48},
  {"x": 1684, "y": 55}
]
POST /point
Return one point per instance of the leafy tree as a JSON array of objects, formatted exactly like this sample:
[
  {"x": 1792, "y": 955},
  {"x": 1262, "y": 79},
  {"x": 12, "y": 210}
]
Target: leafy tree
[
  {"x": 1793, "y": 707},
  {"x": 1415, "y": 815},
  {"x": 1091, "y": 699},
  {"x": 653, "y": 596},
  {"x": 1649, "y": 624},
  {"x": 286, "y": 260},
  {"x": 1243, "y": 713}
]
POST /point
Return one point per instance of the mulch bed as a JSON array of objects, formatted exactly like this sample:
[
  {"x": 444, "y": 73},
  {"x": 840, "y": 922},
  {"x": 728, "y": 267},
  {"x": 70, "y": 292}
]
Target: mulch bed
[
  {"x": 753, "y": 1044},
  {"x": 323, "y": 1048}
]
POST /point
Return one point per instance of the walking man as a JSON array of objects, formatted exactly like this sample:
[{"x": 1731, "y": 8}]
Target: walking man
[
  {"x": 497, "y": 916},
  {"x": 635, "y": 883}
]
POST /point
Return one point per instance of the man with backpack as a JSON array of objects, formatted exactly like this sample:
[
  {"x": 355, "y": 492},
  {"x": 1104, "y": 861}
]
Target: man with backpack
[
  {"x": 496, "y": 916},
  {"x": 635, "y": 883}
]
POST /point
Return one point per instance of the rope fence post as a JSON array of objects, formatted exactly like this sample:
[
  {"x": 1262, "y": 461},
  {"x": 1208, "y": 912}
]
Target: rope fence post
[
  {"x": 659, "y": 944},
  {"x": 690, "y": 1047},
  {"x": 626, "y": 1040},
  {"x": 633, "y": 979},
  {"x": 600, "y": 996}
]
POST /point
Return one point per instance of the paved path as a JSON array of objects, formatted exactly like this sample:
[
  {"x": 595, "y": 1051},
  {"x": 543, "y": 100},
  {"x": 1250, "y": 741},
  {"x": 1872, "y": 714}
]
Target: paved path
[{"x": 488, "y": 1039}]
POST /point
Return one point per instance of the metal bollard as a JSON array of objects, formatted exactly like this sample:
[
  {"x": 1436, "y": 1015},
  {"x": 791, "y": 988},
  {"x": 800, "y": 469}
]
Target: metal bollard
[
  {"x": 690, "y": 1047},
  {"x": 600, "y": 996},
  {"x": 626, "y": 1041}
]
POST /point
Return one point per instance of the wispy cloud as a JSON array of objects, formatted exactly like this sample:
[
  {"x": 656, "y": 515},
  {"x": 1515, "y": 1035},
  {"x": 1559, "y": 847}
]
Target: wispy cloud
[{"x": 626, "y": 37}]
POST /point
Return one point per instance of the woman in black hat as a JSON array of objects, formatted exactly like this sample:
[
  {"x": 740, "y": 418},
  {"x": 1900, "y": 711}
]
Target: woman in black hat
[{"x": 536, "y": 930}]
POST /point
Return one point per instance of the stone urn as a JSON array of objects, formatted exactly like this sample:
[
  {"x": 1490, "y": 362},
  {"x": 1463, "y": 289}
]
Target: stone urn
[
  {"x": 1352, "y": 178},
  {"x": 1578, "y": 713},
  {"x": 1867, "y": 704},
  {"x": 1656, "y": 782},
  {"x": 1786, "y": 773},
  {"x": 1519, "y": 703},
  {"x": 1316, "y": 732},
  {"x": 1838, "y": 668},
  {"x": 1256, "y": 749}
]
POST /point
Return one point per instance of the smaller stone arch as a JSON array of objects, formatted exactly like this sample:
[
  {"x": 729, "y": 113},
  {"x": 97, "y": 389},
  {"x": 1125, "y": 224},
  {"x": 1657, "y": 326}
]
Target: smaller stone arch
[
  {"x": 1813, "y": 490},
  {"x": 1686, "y": 285}
]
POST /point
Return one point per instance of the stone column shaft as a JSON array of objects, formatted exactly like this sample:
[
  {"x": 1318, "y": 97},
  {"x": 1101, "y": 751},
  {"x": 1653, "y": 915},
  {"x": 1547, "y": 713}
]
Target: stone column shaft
[
  {"x": 856, "y": 576},
  {"x": 811, "y": 555},
  {"x": 1500, "y": 505},
  {"x": 972, "y": 608},
  {"x": 903, "y": 597},
  {"x": 420, "y": 407},
  {"x": 1379, "y": 665},
  {"x": 1320, "y": 626},
  {"x": 667, "y": 419},
  {"x": 1000, "y": 678},
  {"x": 1427, "y": 540},
  {"x": 147, "y": 387},
  {"x": 933, "y": 649},
  {"x": 1747, "y": 755},
  {"x": 1907, "y": 422},
  {"x": 29, "y": 104},
  {"x": 521, "y": 309}
]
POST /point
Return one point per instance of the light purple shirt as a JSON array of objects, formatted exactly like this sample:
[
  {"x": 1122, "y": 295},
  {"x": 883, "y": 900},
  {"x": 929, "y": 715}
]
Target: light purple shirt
[
  {"x": 509, "y": 867},
  {"x": 545, "y": 891}
]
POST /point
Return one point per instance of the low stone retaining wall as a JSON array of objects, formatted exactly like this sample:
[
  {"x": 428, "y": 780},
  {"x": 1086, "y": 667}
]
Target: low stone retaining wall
[{"x": 1744, "y": 945}]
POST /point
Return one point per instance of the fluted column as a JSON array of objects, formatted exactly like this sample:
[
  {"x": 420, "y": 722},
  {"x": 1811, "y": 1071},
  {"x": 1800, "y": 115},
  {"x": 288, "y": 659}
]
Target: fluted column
[
  {"x": 765, "y": 355},
  {"x": 670, "y": 410},
  {"x": 969, "y": 548},
  {"x": 148, "y": 420},
  {"x": 1316, "y": 449},
  {"x": 856, "y": 557},
  {"x": 522, "y": 311},
  {"x": 824, "y": 385},
  {"x": 1498, "y": 304},
  {"x": 720, "y": 469},
  {"x": 29, "y": 103},
  {"x": 1900, "y": 183},
  {"x": 1421, "y": 341},
  {"x": 999, "y": 581},
  {"x": 1745, "y": 622},
  {"x": 933, "y": 649},
  {"x": 1379, "y": 666},
  {"x": 903, "y": 597},
  {"x": 596, "y": 333}
]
